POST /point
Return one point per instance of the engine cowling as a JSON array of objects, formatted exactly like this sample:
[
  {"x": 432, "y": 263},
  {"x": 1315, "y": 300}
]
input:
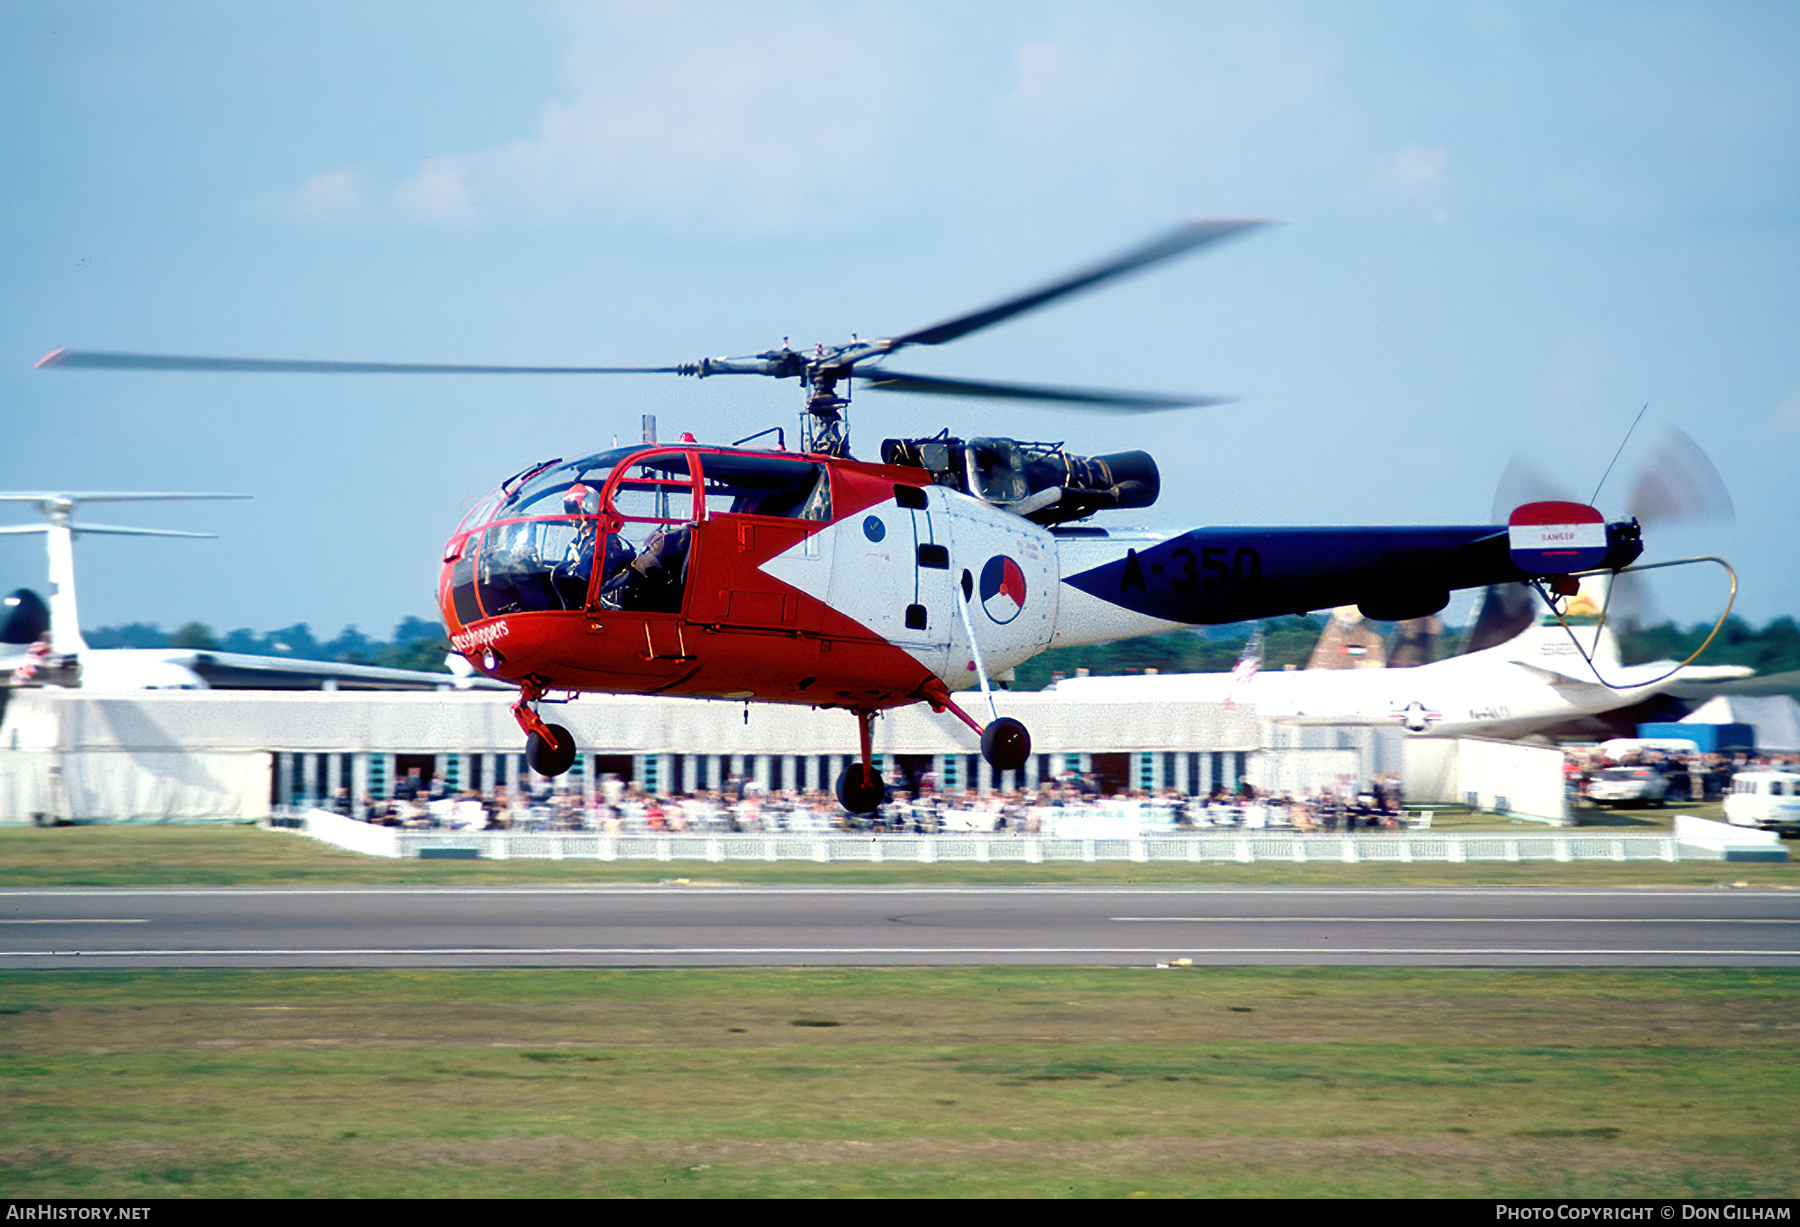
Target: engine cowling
[{"x": 1038, "y": 481}]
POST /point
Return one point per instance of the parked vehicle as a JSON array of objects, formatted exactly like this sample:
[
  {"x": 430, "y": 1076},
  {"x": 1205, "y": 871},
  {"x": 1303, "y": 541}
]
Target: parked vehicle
[
  {"x": 1618, "y": 786},
  {"x": 1767, "y": 800}
]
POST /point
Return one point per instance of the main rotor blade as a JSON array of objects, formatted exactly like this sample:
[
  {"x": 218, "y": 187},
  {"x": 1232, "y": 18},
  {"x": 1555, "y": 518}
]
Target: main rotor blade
[
  {"x": 100, "y": 360},
  {"x": 1182, "y": 239},
  {"x": 1123, "y": 402},
  {"x": 117, "y": 531},
  {"x": 105, "y": 496}
]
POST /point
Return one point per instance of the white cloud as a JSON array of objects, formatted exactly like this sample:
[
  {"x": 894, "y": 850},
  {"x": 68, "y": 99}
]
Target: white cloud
[
  {"x": 1418, "y": 171},
  {"x": 439, "y": 191},
  {"x": 1059, "y": 90},
  {"x": 1786, "y": 417},
  {"x": 334, "y": 196},
  {"x": 741, "y": 119}
]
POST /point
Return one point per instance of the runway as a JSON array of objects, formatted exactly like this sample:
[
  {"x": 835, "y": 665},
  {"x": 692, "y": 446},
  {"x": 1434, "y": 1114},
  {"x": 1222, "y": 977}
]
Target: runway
[{"x": 684, "y": 926}]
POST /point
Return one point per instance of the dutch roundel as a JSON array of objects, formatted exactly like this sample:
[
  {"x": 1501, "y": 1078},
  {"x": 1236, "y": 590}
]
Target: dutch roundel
[
  {"x": 1556, "y": 538},
  {"x": 1002, "y": 589}
]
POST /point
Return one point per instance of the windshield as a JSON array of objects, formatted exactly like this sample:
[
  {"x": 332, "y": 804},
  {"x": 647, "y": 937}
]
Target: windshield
[
  {"x": 545, "y": 542},
  {"x": 541, "y": 491}
]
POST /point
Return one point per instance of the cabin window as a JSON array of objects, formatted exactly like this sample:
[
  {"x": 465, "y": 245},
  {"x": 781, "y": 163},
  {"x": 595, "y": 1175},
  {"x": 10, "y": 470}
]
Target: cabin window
[
  {"x": 765, "y": 486},
  {"x": 481, "y": 513},
  {"x": 655, "y": 486},
  {"x": 646, "y": 564}
]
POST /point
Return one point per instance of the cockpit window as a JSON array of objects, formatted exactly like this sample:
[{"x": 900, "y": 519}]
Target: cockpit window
[
  {"x": 527, "y": 566},
  {"x": 765, "y": 486},
  {"x": 608, "y": 531},
  {"x": 480, "y": 513},
  {"x": 541, "y": 493},
  {"x": 658, "y": 486}
]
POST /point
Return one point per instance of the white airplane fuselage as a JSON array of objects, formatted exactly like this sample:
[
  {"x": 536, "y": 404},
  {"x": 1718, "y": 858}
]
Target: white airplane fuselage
[{"x": 1533, "y": 682}]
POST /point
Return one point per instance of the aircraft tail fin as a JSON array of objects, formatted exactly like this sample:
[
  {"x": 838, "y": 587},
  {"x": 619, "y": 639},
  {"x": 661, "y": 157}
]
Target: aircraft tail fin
[
  {"x": 1415, "y": 642},
  {"x": 1507, "y": 611},
  {"x": 1348, "y": 642},
  {"x": 1550, "y": 644},
  {"x": 1248, "y": 665}
]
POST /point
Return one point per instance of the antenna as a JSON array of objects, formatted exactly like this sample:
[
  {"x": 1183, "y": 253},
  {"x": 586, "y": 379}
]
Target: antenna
[
  {"x": 65, "y": 624},
  {"x": 1620, "y": 452}
]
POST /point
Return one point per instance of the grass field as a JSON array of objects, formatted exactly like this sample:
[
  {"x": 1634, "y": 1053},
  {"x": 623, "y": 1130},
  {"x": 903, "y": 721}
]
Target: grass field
[
  {"x": 983, "y": 1082},
  {"x": 251, "y": 856},
  {"x": 1000, "y": 1082}
]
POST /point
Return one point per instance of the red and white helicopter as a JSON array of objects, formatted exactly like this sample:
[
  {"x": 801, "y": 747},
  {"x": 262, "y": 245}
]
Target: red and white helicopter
[{"x": 815, "y": 578}]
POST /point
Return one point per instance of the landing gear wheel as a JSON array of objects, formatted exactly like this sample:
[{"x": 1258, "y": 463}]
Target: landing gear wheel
[
  {"x": 859, "y": 791},
  {"x": 547, "y": 759},
  {"x": 1006, "y": 744}
]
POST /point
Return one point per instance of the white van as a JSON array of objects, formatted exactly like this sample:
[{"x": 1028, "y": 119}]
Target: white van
[{"x": 1769, "y": 800}]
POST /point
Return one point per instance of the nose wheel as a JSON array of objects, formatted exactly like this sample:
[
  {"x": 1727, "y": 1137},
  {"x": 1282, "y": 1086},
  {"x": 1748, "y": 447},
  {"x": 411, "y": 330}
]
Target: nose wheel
[
  {"x": 1005, "y": 742},
  {"x": 550, "y": 755},
  {"x": 860, "y": 790},
  {"x": 549, "y": 748}
]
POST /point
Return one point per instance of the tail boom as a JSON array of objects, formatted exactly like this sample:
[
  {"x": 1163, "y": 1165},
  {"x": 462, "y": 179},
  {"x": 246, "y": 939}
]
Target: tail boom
[{"x": 1210, "y": 576}]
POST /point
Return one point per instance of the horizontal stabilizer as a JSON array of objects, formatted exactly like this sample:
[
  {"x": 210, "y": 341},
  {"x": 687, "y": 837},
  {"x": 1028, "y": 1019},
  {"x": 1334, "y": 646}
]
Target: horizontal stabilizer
[{"x": 1553, "y": 677}]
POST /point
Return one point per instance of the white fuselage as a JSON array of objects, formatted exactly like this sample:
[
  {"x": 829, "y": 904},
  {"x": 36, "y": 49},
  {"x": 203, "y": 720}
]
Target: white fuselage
[{"x": 1533, "y": 682}]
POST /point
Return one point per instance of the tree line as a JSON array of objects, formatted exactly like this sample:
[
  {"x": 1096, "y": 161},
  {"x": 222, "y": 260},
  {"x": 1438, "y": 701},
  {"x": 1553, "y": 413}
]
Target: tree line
[
  {"x": 417, "y": 643},
  {"x": 420, "y": 643},
  {"x": 1774, "y": 648}
]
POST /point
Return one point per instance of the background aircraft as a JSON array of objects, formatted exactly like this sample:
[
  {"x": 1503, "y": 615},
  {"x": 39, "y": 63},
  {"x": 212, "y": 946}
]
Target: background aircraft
[
  {"x": 1532, "y": 681},
  {"x": 41, "y": 642}
]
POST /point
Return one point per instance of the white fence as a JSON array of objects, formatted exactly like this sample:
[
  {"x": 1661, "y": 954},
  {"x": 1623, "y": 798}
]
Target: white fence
[{"x": 1242, "y": 848}]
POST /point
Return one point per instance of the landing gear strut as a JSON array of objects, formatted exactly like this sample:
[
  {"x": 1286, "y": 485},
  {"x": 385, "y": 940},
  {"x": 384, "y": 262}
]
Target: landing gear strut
[
  {"x": 1005, "y": 742},
  {"x": 860, "y": 789},
  {"x": 549, "y": 748}
]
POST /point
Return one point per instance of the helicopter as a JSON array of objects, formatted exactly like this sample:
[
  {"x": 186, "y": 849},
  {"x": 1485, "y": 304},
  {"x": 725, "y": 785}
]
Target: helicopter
[{"x": 813, "y": 577}]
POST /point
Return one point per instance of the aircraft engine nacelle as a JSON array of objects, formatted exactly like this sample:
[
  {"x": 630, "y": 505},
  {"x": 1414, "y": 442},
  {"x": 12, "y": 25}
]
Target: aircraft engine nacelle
[
  {"x": 1039, "y": 481},
  {"x": 24, "y": 618}
]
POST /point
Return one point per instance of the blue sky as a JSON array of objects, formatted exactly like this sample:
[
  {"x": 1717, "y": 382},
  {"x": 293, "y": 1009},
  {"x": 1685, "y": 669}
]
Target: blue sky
[{"x": 1506, "y": 228}]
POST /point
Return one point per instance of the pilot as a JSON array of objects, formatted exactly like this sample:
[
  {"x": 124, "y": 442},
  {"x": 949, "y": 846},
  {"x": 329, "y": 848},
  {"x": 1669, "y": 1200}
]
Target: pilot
[
  {"x": 577, "y": 565},
  {"x": 659, "y": 571}
]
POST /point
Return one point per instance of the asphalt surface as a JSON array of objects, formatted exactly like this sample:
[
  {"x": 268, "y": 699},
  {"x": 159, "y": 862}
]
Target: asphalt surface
[{"x": 681, "y": 926}]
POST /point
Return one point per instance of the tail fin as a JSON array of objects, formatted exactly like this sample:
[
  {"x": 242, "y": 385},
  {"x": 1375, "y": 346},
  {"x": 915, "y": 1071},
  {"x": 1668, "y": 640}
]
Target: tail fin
[
  {"x": 1551, "y": 644},
  {"x": 1415, "y": 642},
  {"x": 1248, "y": 665},
  {"x": 1348, "y": 642},
  {"x": 1507, "y": 611}
]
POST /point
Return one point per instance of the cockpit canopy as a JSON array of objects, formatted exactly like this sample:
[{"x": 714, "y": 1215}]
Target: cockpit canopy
[{"x": 531, "y": 545}]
